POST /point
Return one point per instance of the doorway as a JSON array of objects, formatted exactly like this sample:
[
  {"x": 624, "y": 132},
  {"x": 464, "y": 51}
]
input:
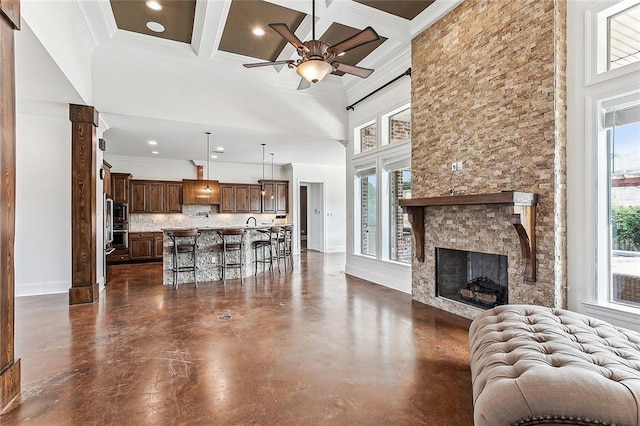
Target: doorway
[
  {"x": 303, "y": 218},
  {"x": 311, "y": 208}
]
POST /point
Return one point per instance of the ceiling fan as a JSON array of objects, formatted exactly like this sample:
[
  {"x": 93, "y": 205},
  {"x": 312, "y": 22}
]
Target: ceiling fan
[{"x": 317, "y": 58}]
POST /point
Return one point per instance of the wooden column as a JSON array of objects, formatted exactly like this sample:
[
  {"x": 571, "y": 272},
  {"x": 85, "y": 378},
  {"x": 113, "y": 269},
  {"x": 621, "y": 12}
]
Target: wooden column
[
  {"x": 9, "y": 367},
  {"x": 84, "y": 145}
]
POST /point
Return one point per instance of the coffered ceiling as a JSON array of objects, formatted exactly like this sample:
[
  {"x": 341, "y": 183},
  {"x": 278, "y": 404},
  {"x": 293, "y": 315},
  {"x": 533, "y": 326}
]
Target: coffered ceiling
[{"x": 189, "y": 78}]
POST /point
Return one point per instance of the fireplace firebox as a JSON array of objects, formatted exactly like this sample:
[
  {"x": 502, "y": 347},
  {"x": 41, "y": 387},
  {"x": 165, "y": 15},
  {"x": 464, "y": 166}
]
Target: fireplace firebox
[{"x": 474, "y": 278}]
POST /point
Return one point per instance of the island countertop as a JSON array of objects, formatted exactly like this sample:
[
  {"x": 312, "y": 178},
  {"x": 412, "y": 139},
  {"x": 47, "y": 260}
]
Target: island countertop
[
  {"x": 209, "y": 254},
  {"x": 221, "y": 228}
]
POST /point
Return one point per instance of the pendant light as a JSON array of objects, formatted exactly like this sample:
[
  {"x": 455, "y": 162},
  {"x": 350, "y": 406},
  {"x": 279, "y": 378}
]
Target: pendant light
[
  {"x": 262, "y": 181},
  {"x": 208, "y": 188},
  {"x": 272, "y": 196}
]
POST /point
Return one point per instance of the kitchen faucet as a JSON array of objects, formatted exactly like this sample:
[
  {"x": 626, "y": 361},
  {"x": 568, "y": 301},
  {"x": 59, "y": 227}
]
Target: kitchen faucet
[{"x": 255, "y": 222}]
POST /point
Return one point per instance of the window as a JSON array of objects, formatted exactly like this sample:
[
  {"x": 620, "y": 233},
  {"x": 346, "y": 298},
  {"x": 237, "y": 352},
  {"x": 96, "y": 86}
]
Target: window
[
  {"x": 399, "y": 226},
  {"x": 366, "y": 138},
  {"x": 382, "y": 178},
  {"x": 613, "y": 45},
  {"x": 619, "y": 201},
  {"x": 396, "y": 126},
  {"x": 623, "y": 38},
  {"x": 368, "y": 189}
]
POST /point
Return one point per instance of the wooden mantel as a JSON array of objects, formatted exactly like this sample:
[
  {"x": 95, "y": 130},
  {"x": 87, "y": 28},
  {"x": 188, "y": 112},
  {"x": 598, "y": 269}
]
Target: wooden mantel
[{"x": 521, "y": 207}]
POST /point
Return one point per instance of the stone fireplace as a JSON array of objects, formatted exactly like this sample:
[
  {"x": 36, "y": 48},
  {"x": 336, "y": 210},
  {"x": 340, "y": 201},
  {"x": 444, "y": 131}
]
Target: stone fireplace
[
  {"x": 488, "y": 89},
  {"x": 491, "y": 228}
]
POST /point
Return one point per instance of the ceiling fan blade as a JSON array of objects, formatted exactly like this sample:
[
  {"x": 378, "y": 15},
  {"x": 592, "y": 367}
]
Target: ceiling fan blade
[
  {"x": 304, "y": 84},
  {"x": 352, "y": 69},
  {"x": 266, "y": 64},
  {"x": 288, "y": 35},
  {"x": 365, "y": 36}
]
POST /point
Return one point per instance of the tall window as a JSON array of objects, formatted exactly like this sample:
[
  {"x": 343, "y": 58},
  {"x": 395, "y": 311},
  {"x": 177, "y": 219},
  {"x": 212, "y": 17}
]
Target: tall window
[
  {"x": 382, "y": 164},
  {"x": 619, "y": 199},
  {"x": 399, "y": 226},
  {"x": 368, "y": 212}
]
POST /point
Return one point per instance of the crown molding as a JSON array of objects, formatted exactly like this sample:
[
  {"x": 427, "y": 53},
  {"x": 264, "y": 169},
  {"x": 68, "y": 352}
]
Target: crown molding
[
  {"x": 432, "y": 14},
  {"x": 198, "y": 25},
  {"x": 146, "y": 160},
  {"x": 108, "y": 18},
  {"x": 81, "y": 18}
]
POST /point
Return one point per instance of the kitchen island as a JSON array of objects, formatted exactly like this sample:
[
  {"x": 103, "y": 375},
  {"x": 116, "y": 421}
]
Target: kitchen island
[{"x": 209, "y": 254}]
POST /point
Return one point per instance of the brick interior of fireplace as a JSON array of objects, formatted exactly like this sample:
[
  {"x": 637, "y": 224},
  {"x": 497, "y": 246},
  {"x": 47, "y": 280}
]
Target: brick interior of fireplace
[{"x": 456, "y": 268}]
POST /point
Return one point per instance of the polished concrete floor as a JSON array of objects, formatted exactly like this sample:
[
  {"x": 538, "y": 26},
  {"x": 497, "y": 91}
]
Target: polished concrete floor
[{"x": 306, "y": 347}]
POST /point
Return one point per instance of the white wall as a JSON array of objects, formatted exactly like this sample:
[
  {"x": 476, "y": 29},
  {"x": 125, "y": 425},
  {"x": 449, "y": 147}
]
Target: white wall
[
  {"x": 232, "y": 99},
  {"x": 161, "y": 169},
  {"x": 43, "y": 204},
  {"x": 389, "y": 274},
  {"x": 57, "y": 25},
  {"x": 334, "y": 213}
]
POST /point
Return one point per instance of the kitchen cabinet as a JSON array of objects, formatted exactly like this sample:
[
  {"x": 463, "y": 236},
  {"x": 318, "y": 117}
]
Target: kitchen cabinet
[
  {"x": 282, "y": 197},
  {"x": 227, "y": 198},
  {"x": 118, "y": 255},
  {"x": 255, "y": 199},
  {"x": 145, "y": 246},
  {"x": 174, "y": 197},
  {"x": 276, "y": 197},
  {"x": 150, "y": 196},
  {"x": 106, "y": 179},
  {"x": 138, "y": 200},
  {"x": 196, "y": 192},
  {"x": 240, "y": 198},
  {"x": 120, "y": 187}
]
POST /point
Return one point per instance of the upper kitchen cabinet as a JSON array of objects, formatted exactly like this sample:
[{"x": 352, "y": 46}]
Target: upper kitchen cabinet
[
  {"x": 174, "y": 197},
  {"x": 106, "y": 179},
  {"x": 150, "y": 196},
  {"x": 239, "y": 198},
  {"x": 276, "y": 196},
  {"x": 120, "y": 187},
  {"x": 200, "y": 191}
]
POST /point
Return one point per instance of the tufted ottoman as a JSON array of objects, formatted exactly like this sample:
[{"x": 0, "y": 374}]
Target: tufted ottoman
[{"x": 532, "y": 365}]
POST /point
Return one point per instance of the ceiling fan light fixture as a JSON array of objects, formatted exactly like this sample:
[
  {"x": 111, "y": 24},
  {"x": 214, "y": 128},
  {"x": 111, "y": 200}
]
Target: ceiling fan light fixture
[{"x": 314, "y": 70}]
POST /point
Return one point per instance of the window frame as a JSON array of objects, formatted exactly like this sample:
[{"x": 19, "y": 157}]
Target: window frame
[
  {"x": 596, "y": 51},
  {"x": 377, "y": 158},
  {"x": 604, "y": 244}
]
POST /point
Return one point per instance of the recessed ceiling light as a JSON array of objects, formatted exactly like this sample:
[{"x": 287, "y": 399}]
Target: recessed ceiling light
[
  {"x": 257, "y": 31},
  {"x": 153, "y": 4},
  {"x": 214, "y": 156},
  {"x": 153, "y": 143},
  {"x": 155, "y": 152},
  {"x": 155, "y": 26},
  {"x": 220, "y": 148}
]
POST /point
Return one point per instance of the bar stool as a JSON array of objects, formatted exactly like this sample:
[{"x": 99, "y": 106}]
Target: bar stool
[
  {"x": 275, "y": 233},
  {"x": 232, "y": 242},
  {"x": 263, "y": 244},
  {"x": 284, "y": 247},
  {"x": 184, "y": 242}
]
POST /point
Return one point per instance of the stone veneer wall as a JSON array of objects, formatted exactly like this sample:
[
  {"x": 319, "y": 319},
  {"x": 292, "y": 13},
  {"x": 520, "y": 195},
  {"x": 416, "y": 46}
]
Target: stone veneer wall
[{"x": 488, "y": 88}]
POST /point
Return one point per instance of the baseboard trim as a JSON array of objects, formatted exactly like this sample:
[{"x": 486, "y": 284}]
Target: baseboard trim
[
  {"x": 391, "y": 275},
  {"x": 41, "y": 288}
]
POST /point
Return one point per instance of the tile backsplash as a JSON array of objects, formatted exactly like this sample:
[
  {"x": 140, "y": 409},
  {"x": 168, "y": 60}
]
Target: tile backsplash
[{"x": 194, "y": 216}]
